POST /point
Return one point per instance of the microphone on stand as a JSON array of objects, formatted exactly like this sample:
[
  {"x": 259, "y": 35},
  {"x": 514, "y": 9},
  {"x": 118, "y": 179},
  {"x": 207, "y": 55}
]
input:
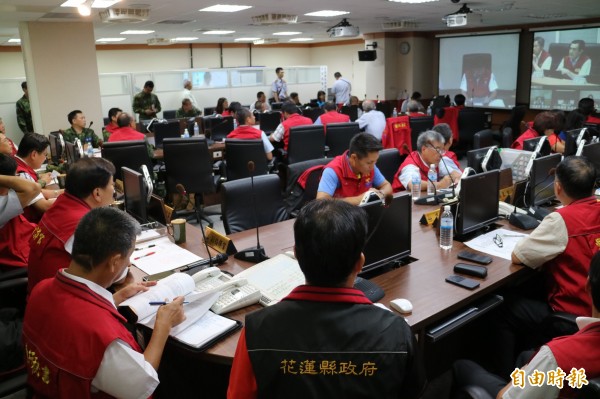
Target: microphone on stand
[
  {"x": 90, "y": 125},
  {"x": 182, "y": 191},
  {"x": 447, "y": 170},
  {"x": 430, "y": 199},
  {"x": 253, "y": 254}
]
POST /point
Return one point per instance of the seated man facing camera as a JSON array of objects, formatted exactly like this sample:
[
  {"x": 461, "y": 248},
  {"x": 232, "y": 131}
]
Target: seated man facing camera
[
  {"x": 350, "y": 175},
  {"x": 326, "y": 339},
  {"x": 80, "y": 343}
]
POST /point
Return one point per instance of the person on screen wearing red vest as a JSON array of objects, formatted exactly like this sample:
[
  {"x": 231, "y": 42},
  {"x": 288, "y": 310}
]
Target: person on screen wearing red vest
[
  {"x": 291, "y": 118},
  {"x": 31, "y": 155},
  {"x": 561, "y": 247},
  {"x": 543, "y": 124},
  {"x": 89, "y": 184},
  {"x": 354, "y": 172},
  {"x": 588, "y": 108},
  {"x": 15, "y": 230},
  {"x": 579, "y": 351},
  {"x": 478, "y": 83},
  {"x": 247, "y": 131},
  {"x": 77, "y": 344},
  {"x": 327, "y": 321},
  {"x": 541, "y": 61},
  {"x": 109, "y": 129},
  {"x": 331, "y": 116},
  {"x": 576, "y": 65},
  {"x": 430, "y": 150}
]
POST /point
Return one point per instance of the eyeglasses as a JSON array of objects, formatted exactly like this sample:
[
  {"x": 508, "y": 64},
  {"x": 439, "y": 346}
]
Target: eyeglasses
[{"x": 440, "y": 151}]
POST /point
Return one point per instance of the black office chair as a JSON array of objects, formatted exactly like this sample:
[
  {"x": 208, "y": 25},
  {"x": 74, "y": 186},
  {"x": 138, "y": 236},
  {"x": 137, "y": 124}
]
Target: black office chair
[
  {"x": 386, "y": 107},
  {"x": 338, "y": 137},
  {"x": 483, "y": 138},
  {"x": 131, "y": 154},
  {"x": 507, "y": 137},
  {"x": 239, "y": 152},
  {"x": 517, "y": 113},
  {"x": 418, "y": 125},
  {"x": 169, "y": 129},
  {"x": 269, "y": 121},
  {"x": 388, "y": 162},
  {"x": 170, "y": 114},
  {"x": 470, "y": 121},
  {"x": 217, "y": 128},
  {"x": 351, "y": 111},
  {"x": 305, "y": 142},
  {"x": 295, "y": 195},
  {"x": 208, "y": 111},
  {"x": 189, "y": 163},
  {"x": 240, "y": 211},
  {"x": 313, "y": 113}
]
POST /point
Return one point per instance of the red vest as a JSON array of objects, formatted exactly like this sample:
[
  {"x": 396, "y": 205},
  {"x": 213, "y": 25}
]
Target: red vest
[
  {"x": 528, "y": 134},
  {"x": 22, "y": 167},
  {"x": 568, "y": 272},
  {"x": 111, "y": 128},
  {"x": 350, "y": 184},
  {"x": 30, "y": 213},
  {"x": 125, "y": 134},
  {"x": 453, "y": 157},
  {"x": 567, "y": 64},
  {"x": 593, "y": 119},
  {"x": 333, "y": 117},
  {"x": 293, "y": 120},
  {"x": 479, "y": 87},
  {"x": 543, "y": 56},
  {"x": 14, "y": 242},
  {"x": 580, "y": 350},
  {"x": 413, "y": 159},
  {"x": 47, "y": 253},
  {"x": 245, "y": 132},
  {"x": 451, "y": 118},
  {"x": 397, "y": 133},
  {"x": 66, "y": 330}
]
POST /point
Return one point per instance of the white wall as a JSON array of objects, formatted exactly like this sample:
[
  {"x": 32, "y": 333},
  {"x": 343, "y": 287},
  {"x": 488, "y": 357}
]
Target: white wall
[{"x": 342, "y": 59}]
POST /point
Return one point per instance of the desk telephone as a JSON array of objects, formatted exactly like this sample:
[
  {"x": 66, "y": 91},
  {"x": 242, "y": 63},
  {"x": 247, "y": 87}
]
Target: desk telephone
[
  {"x": 235, "y": 293},
  {"x": 505, "y": 209}
]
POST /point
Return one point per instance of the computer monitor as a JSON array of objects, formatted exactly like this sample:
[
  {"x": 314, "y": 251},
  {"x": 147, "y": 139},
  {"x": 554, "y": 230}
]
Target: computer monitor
[
  {"x": 484, "y": 159},
  {"x": 156, "y": 210},
  {"x": 72, "y": 152},
  {"x": 135, "y": 194},
  {"x": 532, "y": 144},
  {"x": 56, "y": 146},
  {"x": 477, "y": 203},
  {"x": 218, "y": 127},
  {"x": 541, "y": 180},
  {"x": 572, "y": 138},
  {"x": 389, "y": 232},
  {"x": 592, "y": 152},
  {"x": 166, "y": 130},
  {"x": 276, "y": 106}
]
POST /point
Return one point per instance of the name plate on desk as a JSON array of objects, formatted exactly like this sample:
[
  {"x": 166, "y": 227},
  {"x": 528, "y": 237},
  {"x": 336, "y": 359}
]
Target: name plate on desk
[
  {"x": 219, "y": 242},
  {"x": 430, "y": 218}
]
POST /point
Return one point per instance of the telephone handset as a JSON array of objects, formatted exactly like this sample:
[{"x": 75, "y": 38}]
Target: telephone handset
[
  {"x": 505, "y": 209},
  {"x": 235, "y": 293}
]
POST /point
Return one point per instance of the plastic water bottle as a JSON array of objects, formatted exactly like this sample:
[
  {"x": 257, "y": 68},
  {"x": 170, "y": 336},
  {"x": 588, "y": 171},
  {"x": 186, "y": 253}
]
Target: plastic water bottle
[
  {"x": 395, "y": 112},
  {"x": 185, "y": 134},
  {"x": 196, "y": 129},
  {"x": 416, "y": 186},
  {"x": 446, "y": 228},
  {"x": 90, "y": 149},
  {"x": 432, "y": 175}
]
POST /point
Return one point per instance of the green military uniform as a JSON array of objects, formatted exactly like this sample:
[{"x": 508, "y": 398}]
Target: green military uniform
[
  {"x": 70, "y": 135},
  {"x": 24, "y": 115},
  {"x": 142, "y": 101},
  {"x": 190, "y": 114}
]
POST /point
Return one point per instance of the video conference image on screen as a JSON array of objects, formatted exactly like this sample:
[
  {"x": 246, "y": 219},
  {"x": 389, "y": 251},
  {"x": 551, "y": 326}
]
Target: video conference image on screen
[
  {"x": 565, "y": 68},
  {"x": 482, "y": 67}
]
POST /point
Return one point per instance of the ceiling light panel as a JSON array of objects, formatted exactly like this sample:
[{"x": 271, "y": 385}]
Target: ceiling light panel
[
  {"x": 110, "y": 39},
  {"x": 246, "y": 39},
  {"x": 302, "y": 39},
  {"x": 218, "y": 32},
  {"x": 327, "y": 13},
  {"x": 286, "y": 33},
  {"x": 224, "y": 8},
  {"x": 104, "y": 3},
  {"x": 185, "y": 39},
  {"x": 137, "y": 32},
  {"x": 412, "y": 1}
]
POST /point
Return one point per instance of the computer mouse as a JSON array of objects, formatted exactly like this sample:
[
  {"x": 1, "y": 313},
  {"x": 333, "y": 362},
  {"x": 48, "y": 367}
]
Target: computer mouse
[{"x": 401, "y": 305}]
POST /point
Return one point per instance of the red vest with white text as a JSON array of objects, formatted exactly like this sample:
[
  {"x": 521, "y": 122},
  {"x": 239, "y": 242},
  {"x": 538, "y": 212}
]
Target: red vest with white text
[
  {"x": 14, "y": 242},
  {"x": 568, "y": 272},
  {"x": 66, "y": 330},
  {"x": 245, "y": 133},
  {"x": 397, "y": 134},
  {"x": 351, "y": 185},
  {"x": 414, "y": 158},
  {"x": 47, "y": 253},
  {"x": 294, "y": 120}
]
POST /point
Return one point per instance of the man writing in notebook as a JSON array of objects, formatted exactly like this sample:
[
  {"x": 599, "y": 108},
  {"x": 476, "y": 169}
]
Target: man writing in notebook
[
  {"x": 76, "y": 342},
  {"x": 326, "y": 338}
]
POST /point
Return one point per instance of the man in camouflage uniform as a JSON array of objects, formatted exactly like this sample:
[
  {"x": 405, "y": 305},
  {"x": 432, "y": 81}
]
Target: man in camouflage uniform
[
  {"x": 24, "y": 111},
  {"x": 79, "y": 131},
  {"x": 145, "y": 103},
  {"x": 187, "y": 110}
]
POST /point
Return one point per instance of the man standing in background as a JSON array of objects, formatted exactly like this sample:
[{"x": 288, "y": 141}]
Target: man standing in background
[
  {"x": 279, "y": 87},
  {"x": 341, "y": 90},
  {"x": 24, "y": 111},
  {"x": 187, "y": 93},
  {"x": 145, "y": 103}
]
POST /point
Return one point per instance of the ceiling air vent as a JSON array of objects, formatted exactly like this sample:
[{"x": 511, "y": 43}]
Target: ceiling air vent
[
  {"x": 124, "y": 15},
  {"x": 275, "y": 19},
  {"x": 398, "y": 25},
  {"x": 159, "y": 41}
]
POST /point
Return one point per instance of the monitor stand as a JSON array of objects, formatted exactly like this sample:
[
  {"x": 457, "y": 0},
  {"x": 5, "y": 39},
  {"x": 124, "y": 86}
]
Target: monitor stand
[{"x": 473, "y": 234}]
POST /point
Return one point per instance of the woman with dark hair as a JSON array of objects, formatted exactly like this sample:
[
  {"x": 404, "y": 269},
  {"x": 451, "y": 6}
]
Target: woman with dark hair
[
  {"x": 321, "y": 98},
  {"x": 543, "y": 124},
  {"x": 222, "y": 107}
]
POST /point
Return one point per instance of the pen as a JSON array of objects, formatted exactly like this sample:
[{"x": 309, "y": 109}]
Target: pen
[
  {"x": 143, "y": 256},
  {"x": 160, "y": 303},
  {"x": 149, "y": 246}
]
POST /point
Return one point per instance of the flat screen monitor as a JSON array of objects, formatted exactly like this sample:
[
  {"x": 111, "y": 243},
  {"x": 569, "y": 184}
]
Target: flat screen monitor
[
  {"x": 482, "y": 67},
  {"x": 558, "y": 83},
  {"x": 166, "y": 130},
  {"x": 476, "y": 159},
  {"x": 477, "y": 203},
  {"x": 156, "y": 210},
  {"x": 56, "y": 146},
  {"x": 219, "y": 127},
  {"x": 72, "y": 152},
  {"x": 531, "y": 145},
  {"x": 572, "y": 138},
  {"x": 541, "y": 181},
  {"x": 135, "y": 194},
  {"x": 389, "y": 232},
  {"x": 592, "y": 152}
]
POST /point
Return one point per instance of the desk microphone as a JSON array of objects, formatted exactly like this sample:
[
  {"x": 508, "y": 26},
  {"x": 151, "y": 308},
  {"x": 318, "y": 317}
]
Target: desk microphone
[
  {"x": 253, "y": 254},
  {"x": 91, "y": 123},
  {"x": 447, "y": 170},
  {"x": 182, "y": 191}
]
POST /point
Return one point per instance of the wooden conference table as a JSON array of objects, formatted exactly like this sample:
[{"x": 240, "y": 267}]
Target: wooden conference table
[{"x": 421, "y": 281}]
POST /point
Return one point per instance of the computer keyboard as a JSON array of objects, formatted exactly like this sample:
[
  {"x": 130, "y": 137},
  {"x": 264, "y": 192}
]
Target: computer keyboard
[{"x": 370, "y": 289}]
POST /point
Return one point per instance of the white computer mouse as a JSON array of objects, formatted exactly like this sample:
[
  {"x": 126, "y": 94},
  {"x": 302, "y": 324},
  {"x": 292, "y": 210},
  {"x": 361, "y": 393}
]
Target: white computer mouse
[{"x": 401, "y": 305}]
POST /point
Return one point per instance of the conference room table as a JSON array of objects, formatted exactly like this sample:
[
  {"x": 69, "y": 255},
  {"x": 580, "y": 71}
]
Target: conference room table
[{"x": 422, "y": 280}]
